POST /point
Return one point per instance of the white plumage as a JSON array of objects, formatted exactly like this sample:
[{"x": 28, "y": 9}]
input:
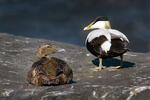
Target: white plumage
[
  {"x": 109, "y": 34},
  {"x": 99, "y": 24},
  {"x": 118, "y": 34},
  {"x": 106, "y": 46},
  {"x": 104, "y": 42},
  {"x": 99, "y": 32}
]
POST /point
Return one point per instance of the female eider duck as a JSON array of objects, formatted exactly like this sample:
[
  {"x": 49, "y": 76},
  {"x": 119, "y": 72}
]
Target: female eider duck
[
  {"x": 49, "y": 71},
  {"x": 104, "y": 42}
]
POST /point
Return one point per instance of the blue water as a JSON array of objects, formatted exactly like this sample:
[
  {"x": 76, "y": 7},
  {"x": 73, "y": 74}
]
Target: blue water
[{"x": 63, "y": 20}]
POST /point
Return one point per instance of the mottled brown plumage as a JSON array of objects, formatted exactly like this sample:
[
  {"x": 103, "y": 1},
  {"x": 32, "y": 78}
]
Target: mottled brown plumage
[
  {"x": 45, "y": 50},
  {"x": 49, "y": 71}
]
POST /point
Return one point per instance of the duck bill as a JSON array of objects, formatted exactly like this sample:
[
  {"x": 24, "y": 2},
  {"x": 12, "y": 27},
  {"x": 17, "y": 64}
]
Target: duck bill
[{"x": 88, "y": 27}]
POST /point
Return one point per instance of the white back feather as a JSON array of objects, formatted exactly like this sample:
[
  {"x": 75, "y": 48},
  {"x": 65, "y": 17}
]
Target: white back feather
[
  {"x": 118, "y": 34},
  {"x": 106, "y": 46}
]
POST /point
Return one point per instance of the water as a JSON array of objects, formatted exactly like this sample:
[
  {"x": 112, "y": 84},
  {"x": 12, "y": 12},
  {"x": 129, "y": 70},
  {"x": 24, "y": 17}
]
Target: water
[{"x": 63, "y": 20}]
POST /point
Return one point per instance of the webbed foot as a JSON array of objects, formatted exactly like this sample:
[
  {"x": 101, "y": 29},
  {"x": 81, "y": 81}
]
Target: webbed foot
[
  {"x": 98, "y": 68},
  {"x": 115, "y": 67}
]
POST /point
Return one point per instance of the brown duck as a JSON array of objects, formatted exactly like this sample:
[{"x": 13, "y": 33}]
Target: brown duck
[{"x": 49, "y": 71}]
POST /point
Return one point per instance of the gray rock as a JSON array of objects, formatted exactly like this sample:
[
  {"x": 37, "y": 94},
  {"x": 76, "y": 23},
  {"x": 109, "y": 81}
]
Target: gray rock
[{"x": 17, "y": 54}]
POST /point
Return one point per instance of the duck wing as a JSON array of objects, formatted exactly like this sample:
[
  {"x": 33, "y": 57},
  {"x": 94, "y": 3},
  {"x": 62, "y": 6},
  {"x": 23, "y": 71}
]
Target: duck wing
[
  {"x": 115, "y": 34},
  {"x": 119, "y": 42}
]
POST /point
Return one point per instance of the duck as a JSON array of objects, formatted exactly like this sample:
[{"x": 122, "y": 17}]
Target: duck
[
  {"x": 49, "y": 71},
  {"x": 105, "y": 42}
]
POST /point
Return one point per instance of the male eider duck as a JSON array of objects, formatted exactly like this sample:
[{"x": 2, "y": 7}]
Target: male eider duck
[
  {"x": 49, "y": 71},
  {"x": 104, "y": 42}
]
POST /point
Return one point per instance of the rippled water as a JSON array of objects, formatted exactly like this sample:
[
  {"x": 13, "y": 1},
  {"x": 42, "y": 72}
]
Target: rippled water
[{"x": 63, "y": 20}]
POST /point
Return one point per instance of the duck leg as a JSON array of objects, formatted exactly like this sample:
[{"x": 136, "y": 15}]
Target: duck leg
[
  {"x": 100, "y": 67},
  {"x": 121, "y": 63}
]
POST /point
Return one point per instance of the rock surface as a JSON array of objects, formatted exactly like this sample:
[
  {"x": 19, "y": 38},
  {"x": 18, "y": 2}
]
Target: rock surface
[{"x": 17, "y": 54}]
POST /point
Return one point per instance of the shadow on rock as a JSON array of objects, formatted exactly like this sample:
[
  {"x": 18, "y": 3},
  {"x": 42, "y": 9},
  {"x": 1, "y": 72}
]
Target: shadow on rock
[{"x": 113, "y": 62}]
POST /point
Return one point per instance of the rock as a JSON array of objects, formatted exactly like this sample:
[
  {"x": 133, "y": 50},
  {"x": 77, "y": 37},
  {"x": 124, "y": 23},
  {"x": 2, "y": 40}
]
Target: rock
[{"x": 17, "y": 54}]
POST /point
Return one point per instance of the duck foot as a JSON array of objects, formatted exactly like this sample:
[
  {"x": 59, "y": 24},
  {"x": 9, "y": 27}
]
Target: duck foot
[
  {"x": 115, "y": 67},
  {"x": 97, "y": 68}
]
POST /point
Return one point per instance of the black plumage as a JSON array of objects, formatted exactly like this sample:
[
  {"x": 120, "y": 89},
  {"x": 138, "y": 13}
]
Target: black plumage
[
  {"x": 104, "y": 42},
  {"x": 101, "y": 18},
  {"x": 118, "y": 47}
]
